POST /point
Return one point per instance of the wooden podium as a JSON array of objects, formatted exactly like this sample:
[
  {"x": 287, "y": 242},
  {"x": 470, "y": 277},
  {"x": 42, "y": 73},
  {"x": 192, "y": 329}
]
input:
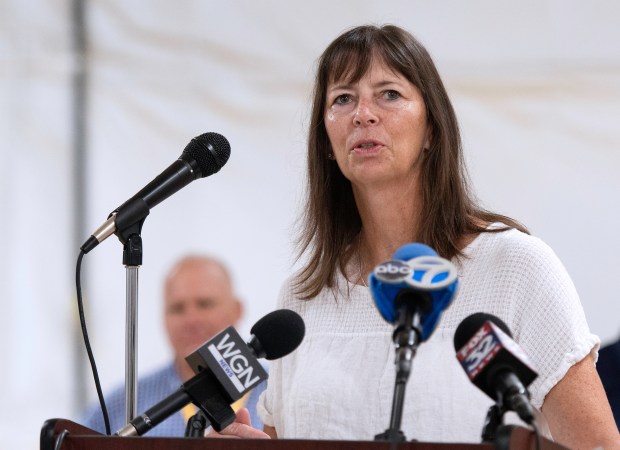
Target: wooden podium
[{"x": 78, "y": 437}]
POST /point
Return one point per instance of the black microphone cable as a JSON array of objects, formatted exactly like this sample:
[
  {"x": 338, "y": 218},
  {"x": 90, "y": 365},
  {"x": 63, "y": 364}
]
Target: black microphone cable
[
  {"x": 89, "y": 351},
  {"x": 60, "y": 439}
]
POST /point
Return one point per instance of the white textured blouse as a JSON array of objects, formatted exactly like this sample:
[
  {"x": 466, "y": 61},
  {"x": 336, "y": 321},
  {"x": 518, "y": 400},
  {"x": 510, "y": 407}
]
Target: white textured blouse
[{"x": 339, "y": 383}]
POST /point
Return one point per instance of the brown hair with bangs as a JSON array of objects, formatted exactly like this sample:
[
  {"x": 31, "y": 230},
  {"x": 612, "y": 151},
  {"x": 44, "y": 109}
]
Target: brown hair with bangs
[{"x": 330, "y": 222}]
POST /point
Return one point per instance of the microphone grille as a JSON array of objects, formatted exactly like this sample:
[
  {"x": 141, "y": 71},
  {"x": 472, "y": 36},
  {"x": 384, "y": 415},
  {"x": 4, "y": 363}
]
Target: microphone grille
[
  {"x": 209, "y": 151},
  {"x": 466, "y": 329},
  {"x": 279, "y": 332}
]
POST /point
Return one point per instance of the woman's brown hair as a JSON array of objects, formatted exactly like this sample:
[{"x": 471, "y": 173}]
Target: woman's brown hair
[{"x": 331, "y": 221}]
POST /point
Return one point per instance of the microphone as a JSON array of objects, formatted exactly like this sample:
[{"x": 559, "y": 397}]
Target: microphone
[
  {"x": 417, "y": 278},
  {"x": 495, "y": 363},
  {"x": 411, "y": 291},
  {"x": 203, "y": 156},
  {"x": 226, "y": 369},
  {"x": 290, "y": 332}
]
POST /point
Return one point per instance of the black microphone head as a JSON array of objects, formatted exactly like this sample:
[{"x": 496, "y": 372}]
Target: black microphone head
[
  {"x": 483, "y": 351},
  {"x": 278, "y": 333},
  {"x": 472, "y": 323},
  {"x": 209, "y": 152},
  {"x": 495, "y": 363}
]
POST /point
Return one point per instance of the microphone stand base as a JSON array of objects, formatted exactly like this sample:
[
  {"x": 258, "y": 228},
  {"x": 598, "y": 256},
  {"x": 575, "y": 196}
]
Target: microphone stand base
[{"x": 391, "y": 435}]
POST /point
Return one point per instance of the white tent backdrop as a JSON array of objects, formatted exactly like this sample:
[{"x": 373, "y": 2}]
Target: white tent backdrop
[{"x": 536, "y": 85}]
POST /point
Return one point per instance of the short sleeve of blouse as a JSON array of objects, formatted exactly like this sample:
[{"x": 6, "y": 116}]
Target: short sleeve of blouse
[{"x": 550, "y": 323}]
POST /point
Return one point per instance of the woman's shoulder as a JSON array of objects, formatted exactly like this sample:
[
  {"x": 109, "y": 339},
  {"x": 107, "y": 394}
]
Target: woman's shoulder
[
  {"x": 502, "y": 240},
  {"x": 513, "y": 253}
]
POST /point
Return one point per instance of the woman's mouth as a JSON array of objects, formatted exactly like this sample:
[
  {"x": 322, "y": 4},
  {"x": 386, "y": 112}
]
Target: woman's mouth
[{"x": 367, "y": 147}]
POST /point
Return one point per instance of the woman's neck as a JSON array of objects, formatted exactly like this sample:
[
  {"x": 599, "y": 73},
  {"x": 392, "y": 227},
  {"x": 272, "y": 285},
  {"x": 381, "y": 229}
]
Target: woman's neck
[{"x": 390, "y": 219}]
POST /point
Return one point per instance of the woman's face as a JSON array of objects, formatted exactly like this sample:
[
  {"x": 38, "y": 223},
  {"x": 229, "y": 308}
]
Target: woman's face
[{"x": 377, "y": 127}]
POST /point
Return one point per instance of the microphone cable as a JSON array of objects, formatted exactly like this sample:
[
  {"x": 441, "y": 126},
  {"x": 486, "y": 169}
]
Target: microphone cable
[
  {"x": 89, "y": 351},
  {"x": 60, "y": 439}
]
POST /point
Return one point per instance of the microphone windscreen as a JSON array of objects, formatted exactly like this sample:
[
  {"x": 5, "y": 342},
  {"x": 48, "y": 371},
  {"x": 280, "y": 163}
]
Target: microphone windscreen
[
  {"x": 279, "y": 332},
  {"x": 414, "y": 267},
  {"x": 413, "y": 250},
  {"x": 466, "y": 329},
  {"x": 209, "y": 151}
]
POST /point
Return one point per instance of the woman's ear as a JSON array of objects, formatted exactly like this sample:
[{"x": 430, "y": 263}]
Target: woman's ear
[{"x": 428, "y": 138}]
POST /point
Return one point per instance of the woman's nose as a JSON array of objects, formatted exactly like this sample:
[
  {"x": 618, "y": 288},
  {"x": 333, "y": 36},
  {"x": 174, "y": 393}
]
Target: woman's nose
[{"x": 365, "y": 114}]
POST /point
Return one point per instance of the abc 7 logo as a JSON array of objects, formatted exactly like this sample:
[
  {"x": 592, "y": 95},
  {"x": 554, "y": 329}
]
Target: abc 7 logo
[
  {"x": 393, "y": 271},
  {"x": 424, "y": 272}
]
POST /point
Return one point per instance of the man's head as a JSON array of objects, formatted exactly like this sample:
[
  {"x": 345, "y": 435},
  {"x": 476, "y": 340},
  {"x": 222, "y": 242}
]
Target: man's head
[{"x": 199, "y": 303}]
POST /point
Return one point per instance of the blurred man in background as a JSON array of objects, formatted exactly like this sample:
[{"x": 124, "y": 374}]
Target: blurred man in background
[{"x": 199, "y": 302}]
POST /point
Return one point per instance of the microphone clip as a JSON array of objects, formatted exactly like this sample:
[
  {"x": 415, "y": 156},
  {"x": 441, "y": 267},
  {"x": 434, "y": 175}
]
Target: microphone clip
[
  {"x": 492, "y": 422},
  {"x": 196, "y": 425},
  {"x": 203, "y": 391}
]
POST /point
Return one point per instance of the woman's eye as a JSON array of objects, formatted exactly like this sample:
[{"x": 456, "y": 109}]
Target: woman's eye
[
  {"x": 392, "y": 95},
  {"x": 342, "y": 99}
]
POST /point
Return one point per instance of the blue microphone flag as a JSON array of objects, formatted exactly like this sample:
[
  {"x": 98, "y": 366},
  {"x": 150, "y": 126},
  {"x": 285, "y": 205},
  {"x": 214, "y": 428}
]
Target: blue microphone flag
[{"x": 414, "y": 266}]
